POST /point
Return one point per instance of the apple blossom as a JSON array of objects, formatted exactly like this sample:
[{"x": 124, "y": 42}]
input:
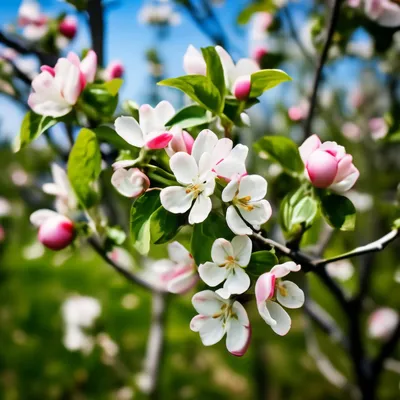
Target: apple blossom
[
  {"x": 130, "y": 183},
  {"x": 55, "y": 230},
  {"x": 379, "y": 128},
  {"x": 217, "y": 317},
  {"x": 248, "y": 206},
  {"x": 115, "y": 69},
  {"x": 229, "y": 261},
  {"x": 384, "y": 12},
  {"x": 270, "y": 289},
  {"x": 30, "y": 17},
  {"x": 181, "y": 141},
  {"x": 382, "y": 322},
  {"x": 151, "y": 132},
  {"x": 68, "y": 26},
  {"x": 261, "y": 21},
  {"x": 180, "y": 273},
  {"x": 193, "y": 62},
  {"x": 327, "y": 165},
  {"x": 56, "y": 90},
  {"x": 342, "y": 270}
]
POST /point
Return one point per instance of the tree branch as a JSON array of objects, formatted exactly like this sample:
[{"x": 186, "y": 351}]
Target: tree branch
[
  {"x": 96, "y": 24},
  {"x": 334, "y": 18}
]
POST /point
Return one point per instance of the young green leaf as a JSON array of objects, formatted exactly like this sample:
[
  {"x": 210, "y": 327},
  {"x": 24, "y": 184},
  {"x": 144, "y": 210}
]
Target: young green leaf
[
  {"x": 33, "y": 125},
  {"x": 164, "y": 225},
  {"x": 282, "y": 150},
  {"x": 215, "y": 72},
  {"x": 266, "y": 79},
  {"x": 84, "y": 167},
  {"x": 199, "y": 88},
  {"x": 113, "y": 86},
  {"x": 106, "y": 134},
  {"x": 190, "y": 116},
  {"x": 261, "y": 261},
  {"x": 338, "y": 211}
]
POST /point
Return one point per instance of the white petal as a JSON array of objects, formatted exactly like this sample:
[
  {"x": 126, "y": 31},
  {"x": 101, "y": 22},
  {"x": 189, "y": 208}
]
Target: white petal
[
  {"x": 129, "y": 130},
  {"x": 242, "y": 247},
  {"x": 127, "y": 183},
  {"x": 284, "y": 269},
  {"x": 207, "y": 303},
  {"x": 205, "y": 166},
  {"x": 60, "y": 178},
  {"x": 184, "y": 167},
  {"x": 52, "y": 189},
  {"x": 123, "y": 164},
  {"x": 211, "y": 329},
  {"x": 254, "y": 186},
  {"x": 221, "y": 250},
  {"x": 245, "y": 66},
  {"x": 294, "y": 297},
  {"x": 183, "y": 282},
  {"x": 227, "y": 64},
  {"x": 259, "y": 215},
  {"x": 212, "y": 274},
  {"x": 89, "y": 65},
  {"x": 204, "y": 143},
  {"x": 67, "y": 76},
  {"x": 164, "y": 111},
  {"x": 230, "y": 190},
  {"x": 282, "y": 318},
  {"x": 346, "y": 184},
  {"x": 200, "y": 210},
  {"x": 237, "y": 281},
  {"x": 234, "y": 163},
  {"x": 193, "y": 62},
  {"x": 224, "y": 293},
  {"x": 221, "y": 150},
  {"x": 265, "y": 314},
  {"x": 209, "y": 186},
  {"x": 175, "y": 199},
  {"x": 179, "y": 254},
  {"x": 235, "y": 222},
  {"x": 237, "y": 337},
  {"x": 38, "y": 217}
]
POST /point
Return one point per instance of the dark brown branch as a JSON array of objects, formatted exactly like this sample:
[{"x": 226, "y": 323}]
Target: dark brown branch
[
  {"x": 96, "y": 24},
  {"x": 334, "y": 18}
]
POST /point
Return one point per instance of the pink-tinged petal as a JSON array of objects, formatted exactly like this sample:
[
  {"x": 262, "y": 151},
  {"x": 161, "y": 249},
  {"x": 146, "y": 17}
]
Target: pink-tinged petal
[
  {"x": 254, "y": 186},
  {"x": 148, "y": 120},
  {"x": 227, "y": 64},
  {"x": 38, "y": 217},
  {"x": 390, "y": 16},
  {"x": 282, "y": 318},
  {"x": 129, "y": 129},
  {"x": 284, "y": 269},
  {"x": 183, "y": 282},
  {"x": 207, "y": 303},
  {"x": 345, "y": 167},
  {"x": 123, "y": 164},
  {"x": 236, "y": 223},
  {"x": 131, "y": 183},
  {"x": 74, "y": 59},
  {"x": 347, "y": 183},
  {"x": 309, "y": 146},
  {"x": 193, "y": 62},
  {"x": 238, "y": 335},
  {"x": 200, "y": 210},
  {"x": 237, "y": 281},
  {"x": 56, "y": 232},
  {"x": 50, "y": 70},
  {"x": 184, "y": 168},
  {"x": 382, "y": 323},
  {"x": 178, "y": 254},
  {"x": 290, "y": 295},
  {"x": 158, "y": 140},
  {"x": 322, "y": 168},
  {"x": 67, "y": 76},
  {"x": 221, "y": 250},
  {"x": 241, "y": 88},
  {"x": 181, "y": 141},
  {"x": 88, "y": 66},
  {"x": 230, "y": 190},
  {"x": 212, "y": 274},
  {"x": 242, "y": 247},
  {"x": 189, "y": 141},
  {"x": 265, "y": 287},
  {"x": 175, "y": 199},
  {"x": 204, "y": 143}
]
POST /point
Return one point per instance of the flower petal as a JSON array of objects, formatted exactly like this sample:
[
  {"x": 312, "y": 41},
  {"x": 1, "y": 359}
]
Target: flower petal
[
  {"x": 212, "y": 274},
  {"x": 221, "y": 250},
  {"x": 242, "y": 247},
  {"x": 237, "y": 281},
  {"x": 347, "y": 183},
  {"x": 38, "y": 217},
  {"x": 164, "y": 111},
  {"x": 207, "y": 303},
  {"x": 310, "y": 145},
  {"x": 184, "y": 167},
  {"x": 221, "y": 150},
  {"x": 178, "y": 254},
  {"x": 238, "y": 336},
  {"x": 282, "y": 318},
  {"x": 89, "y": 65},
  {"x": 259, "y": 214},
  {"x": 193, "y": 62},
  {"x": 284, "y": 269},
  {"x": 204, "y": 143},
  {"x": 129, "y": 129},
  {"x": 292, "y": 296},
  {"x": 254, "y": 186},
  {"x": 265, "y": 287},
  {"x": 175, "y": 199},
  {"x": 211, "y": 329},
  {"x": 200, "y": 210},
  {"x": 183, "y": 282},
  {"x": 235, "y": 222},
  {"x": 230, "y": 190}
]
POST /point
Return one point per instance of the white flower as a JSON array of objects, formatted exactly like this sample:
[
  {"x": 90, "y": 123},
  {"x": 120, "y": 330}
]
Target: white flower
[
  {"x": 130, "y": 183},
  {"x": 384, "y": 12},
  {"x": 382, "y": 322},
  {"x": 229, "y": 261},
  {"x": 270, "y": 290},
  {"x": 342, "y": 270},
  {"x": 246, "y": 196},
  {"x": 122, "y": 257},
  {"x": 66, "y": 200},
  {"x": 218, "y": 316},
  {"x": 31, "y": 18},
  {"x": 151, "y": 132}
]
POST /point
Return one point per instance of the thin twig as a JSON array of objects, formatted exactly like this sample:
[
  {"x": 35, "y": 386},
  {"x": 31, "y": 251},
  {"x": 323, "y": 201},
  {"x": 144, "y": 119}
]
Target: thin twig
[
  {"x": 96, "y": 24},
  {"x": 334, "y": 18}
]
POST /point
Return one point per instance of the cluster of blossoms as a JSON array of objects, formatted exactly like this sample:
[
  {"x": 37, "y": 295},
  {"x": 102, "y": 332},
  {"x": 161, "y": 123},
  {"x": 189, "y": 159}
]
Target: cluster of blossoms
[{"x": 384, "y": 12}]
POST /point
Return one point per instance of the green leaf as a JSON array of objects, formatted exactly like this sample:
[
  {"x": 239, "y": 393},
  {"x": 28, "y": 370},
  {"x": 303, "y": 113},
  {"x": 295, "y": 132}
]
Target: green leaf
[
  {"x": 190, "y": 116},
  {"x": 113, "y": 86},
  {"x": 215, "y": 72},
  {"x": 33, "y": 125},
  {"x": 199, "y": 88},
  {"x": 84, "y": 167},
  {"x": 260, "y": 6},
  {"x": 108, "y": 135},
  {"x": 338, "y": 211},
  {"x": 164, "y": 225},
  {"x": 262, "y": 261},
  {"x": 141, "y": 212},
  {"x": 115, "y": 236},
  {"x": 282, "y": 150},
  {"x": 266, "y": 79},
  {"x": 98, "y": 100},
  {"x": 205, "y": 234}
]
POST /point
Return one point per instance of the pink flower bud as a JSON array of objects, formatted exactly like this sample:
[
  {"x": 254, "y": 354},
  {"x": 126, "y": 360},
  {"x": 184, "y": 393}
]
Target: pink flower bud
[
  {"x": 56, "y": 232},
  {"x": 327, "y": 165},
  {"x": 259, "y": 53},
  {"x": 296, "y": 113},
  {"x": 114, "y": 70},
  {"x": 242, "y": 88},
  {"x": 68, "y": 27},
  {"x": 159, "y": 141},
  {"x": 181, "y": 141}
]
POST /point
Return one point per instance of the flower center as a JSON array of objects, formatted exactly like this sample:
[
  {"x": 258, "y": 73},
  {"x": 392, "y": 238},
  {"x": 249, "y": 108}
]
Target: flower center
[
  {"x": 243, "y": 203},
  {"x": 195, "y": 189}
]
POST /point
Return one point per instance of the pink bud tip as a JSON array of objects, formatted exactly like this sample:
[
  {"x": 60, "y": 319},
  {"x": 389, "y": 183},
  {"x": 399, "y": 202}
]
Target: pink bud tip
[
  {"x": 68, "y": 27},
  {"x": 259, "y": 53},
  {"x": 242, "y": 87},
  {"x": 295, "y": 113},
  {"x": 56, "y": 233},
  {"x": 322, "y": 168},
  {"x": 189, "y": 140},
  {"x": 115, "y": 70},
  {"x": 160, "y": 142}
]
